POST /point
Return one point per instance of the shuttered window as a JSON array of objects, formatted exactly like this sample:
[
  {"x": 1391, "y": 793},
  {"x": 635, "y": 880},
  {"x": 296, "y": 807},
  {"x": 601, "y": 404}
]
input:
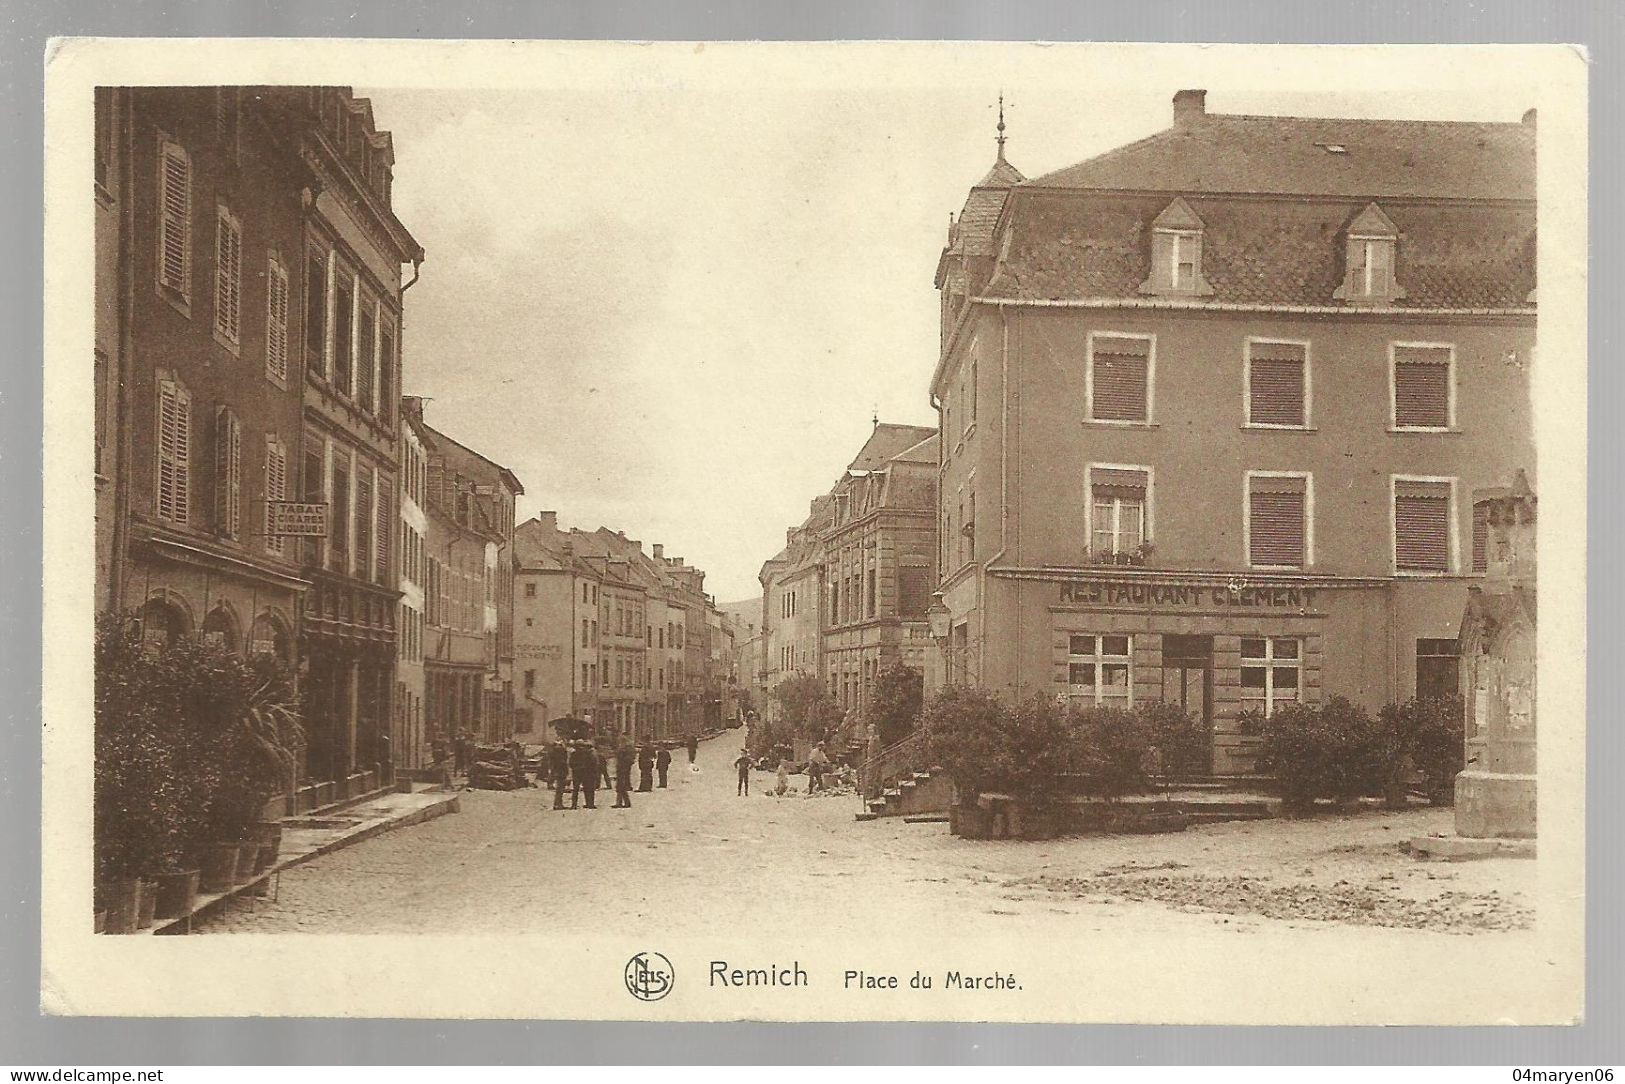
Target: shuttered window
[
  {"x": 364, "y": 520},
  {"x": 386, "y": 374},
  {"x": 383, "y": 534},
  {"x": 344, "y": 334},
  {"x": 1422, "y": 377},
  {"x": 364, "y": 357},
  {"x": 276, "y": 321},
  {"x": 228, "y": 276},
  {"x": 1277, "y": 381},
  {"x": 316, "y": 313},
  {"x": 174, "y": 488},
  {"x": 276, "y": 487},
  {"x": 338, "y": 517},
  {"x": 1117, "y": 510},
  {"x": 1119, "y": 378},
  {"x": 1481, "y": 537},
  {"x": 1422, "y": 526},
  {"x": 175, "y": 218},
  {"x": 228, "y": 477},
  {"x": 1277, "y": 521}
]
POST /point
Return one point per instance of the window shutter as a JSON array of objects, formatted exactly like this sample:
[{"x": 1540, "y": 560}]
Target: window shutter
[
  {"x": 1422, "y": 526},
  {"x": 1110, "y": 482},
  {"x": 1421, "y": 387},
  {"x": 383, "y": 533},
  {"x": 175, "y": 219},
  {"x": 276, "y": 488},
  {"x": 174, "y": 452},
  {"x": 228, "y": 476},
  {"x": 1481, "y": 537},
  {"x": 276, "y": 322},
  {"x": 1120, "y": 366},
  {"x": 365, "y": 357},
  {"x": 228, "y": 278},
  {"x": 1275, "y": 382},
  {"x": 1276, "y": 527}
]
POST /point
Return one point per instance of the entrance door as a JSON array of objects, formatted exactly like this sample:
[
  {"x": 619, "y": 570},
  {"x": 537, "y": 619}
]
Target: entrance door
[{"x": 1187, "y": 680}]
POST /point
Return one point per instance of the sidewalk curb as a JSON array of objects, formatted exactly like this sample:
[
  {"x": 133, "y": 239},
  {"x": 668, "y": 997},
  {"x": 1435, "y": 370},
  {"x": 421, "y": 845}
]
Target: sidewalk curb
[{"x": 451, "y": 803}]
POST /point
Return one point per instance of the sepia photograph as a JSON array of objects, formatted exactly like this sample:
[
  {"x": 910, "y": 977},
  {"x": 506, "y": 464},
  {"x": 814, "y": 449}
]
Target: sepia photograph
[{"x": 864, "y": 531}]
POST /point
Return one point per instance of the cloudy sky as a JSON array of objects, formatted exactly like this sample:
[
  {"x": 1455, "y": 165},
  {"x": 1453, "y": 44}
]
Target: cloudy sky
[{"x": 672, "y": 309}]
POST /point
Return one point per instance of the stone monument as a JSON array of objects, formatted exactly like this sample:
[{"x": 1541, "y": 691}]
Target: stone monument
[{"x": 1495, "y": 792}]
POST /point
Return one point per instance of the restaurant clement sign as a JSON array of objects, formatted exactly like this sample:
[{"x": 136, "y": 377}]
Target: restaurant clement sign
[{"x": 1192, "y": 595}]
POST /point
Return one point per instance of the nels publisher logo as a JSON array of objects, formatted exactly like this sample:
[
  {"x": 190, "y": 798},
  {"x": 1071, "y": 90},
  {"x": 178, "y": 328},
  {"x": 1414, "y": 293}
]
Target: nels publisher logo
[{"x": 649, "y": 976}]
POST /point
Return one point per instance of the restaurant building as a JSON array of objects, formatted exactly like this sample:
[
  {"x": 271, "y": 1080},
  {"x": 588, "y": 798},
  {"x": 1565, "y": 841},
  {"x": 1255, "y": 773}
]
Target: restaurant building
[{"x": 1214, "y": 405}]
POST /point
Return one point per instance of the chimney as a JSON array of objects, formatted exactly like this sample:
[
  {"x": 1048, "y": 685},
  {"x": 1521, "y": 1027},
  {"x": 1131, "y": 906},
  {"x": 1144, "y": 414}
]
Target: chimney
[
  {"x": 660, "y": 551},
  {"x": 1529, "y": 118},
  {"x": 1190, "y": 106},
  {"x": 548, "y": 520}
]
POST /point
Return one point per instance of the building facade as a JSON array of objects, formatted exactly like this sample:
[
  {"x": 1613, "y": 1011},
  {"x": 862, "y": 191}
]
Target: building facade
[
  {"x": 792, "y": 589},
  {"x": 199, "y": 229},
  {"x": 1213, "y": 406},
  {"x": 879, "y": 566},
  {"x": 411, "y": 745}
]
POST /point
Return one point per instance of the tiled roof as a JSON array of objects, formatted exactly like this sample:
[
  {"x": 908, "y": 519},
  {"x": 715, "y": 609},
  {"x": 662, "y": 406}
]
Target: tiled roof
[
  {"x": 973, "y": 231},
  {"x": 1098, "y": 245},
  {"x": 1219, "y": 152},
  {"x": 923, "y": 452},
  {"x": 888, "y": 440}
]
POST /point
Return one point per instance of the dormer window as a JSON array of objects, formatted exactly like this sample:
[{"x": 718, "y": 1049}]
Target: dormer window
[
  {"x": 1176, "y": 254},
  {"x": 1368, "y": 261}
]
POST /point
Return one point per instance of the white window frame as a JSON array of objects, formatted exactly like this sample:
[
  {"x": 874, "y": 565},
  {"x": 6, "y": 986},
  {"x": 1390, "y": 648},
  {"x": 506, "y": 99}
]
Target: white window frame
[
  {"x": 1394, "y": 346},
  {"x": 1174, "y": 239},
  {"x": 1308, "y": 517},
  {"x": 1393, "y": 527},
  {"x": 1100, "y": 660},
  {"x": 1147, "y": 535},
  {"x": 1268, "y": 663},
  {"x": 1150, "y": 378},
  {"x": 1308, "y": 382}
]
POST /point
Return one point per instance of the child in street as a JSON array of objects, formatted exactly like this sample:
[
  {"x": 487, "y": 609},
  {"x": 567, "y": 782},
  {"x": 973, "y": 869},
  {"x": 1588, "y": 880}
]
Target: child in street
[{"x": 742, "y": 765}]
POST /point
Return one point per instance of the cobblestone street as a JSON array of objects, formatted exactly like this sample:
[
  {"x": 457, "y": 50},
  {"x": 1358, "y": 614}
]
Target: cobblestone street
[{"x": 680, "y": 857}]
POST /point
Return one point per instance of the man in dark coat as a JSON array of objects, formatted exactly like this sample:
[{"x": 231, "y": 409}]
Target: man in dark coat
[
  {"x": 624, "y": 756},
  {"x": 693, "y": 744},
  {"x": 584, "y": 768},
  {"x": 663, "y": 762},
  {"x": 646, "y": 764},
  {"x": 558, "y": 764}
]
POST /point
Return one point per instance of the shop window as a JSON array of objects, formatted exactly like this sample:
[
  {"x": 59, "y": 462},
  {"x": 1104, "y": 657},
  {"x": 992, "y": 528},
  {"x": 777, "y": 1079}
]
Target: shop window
[
  {"x": 1271, "y": 673},
  {"x": 1100, "y": 671},
  {"x": 1438, "y": 668},
  {"x": 1118, "y": 378},
  {"x": 220, "y": 629},
  {"x": 1278, "y": 517},
  {"x": 1117, "y": 512},
  {"x": 1423, "y": 379},
  {"x": 1277, "y": 384},
  {"x": 1422, "y": 524}
]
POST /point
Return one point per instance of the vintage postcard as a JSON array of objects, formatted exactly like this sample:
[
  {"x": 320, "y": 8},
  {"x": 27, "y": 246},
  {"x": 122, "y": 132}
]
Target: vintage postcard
[{"x": 865, "y": 531}]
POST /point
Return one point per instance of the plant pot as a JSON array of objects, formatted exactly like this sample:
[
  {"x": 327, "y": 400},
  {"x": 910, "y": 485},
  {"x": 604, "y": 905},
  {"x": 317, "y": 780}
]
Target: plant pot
[
  {"x": 121, "y": 898},
  {"x": 177, "y": 894},
  {"x": 248, "y": 857},
  {"x": 219, "y": 870},
  {"x": 101, "y": 921},
  {"x": 149, "y": 903}
]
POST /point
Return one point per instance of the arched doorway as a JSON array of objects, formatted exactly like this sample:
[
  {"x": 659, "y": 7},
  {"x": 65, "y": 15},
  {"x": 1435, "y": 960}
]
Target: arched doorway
[
  {"x": 220, "y": 629},
  {"x": 270, "y": 637},
  {"x": 163, "y": 624}
]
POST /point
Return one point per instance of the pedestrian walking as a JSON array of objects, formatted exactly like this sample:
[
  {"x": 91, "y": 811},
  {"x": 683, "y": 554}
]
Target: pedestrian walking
[
  {"x": 693, "y": 744},
  {"x": 784, "y": 775},
  {"x": 663, "y": 762},
  {"x": 646, "y": 763},
  {"x": 558, "y": 763},
  {"x": 624, "y": 756},
  {"x": 605, "y": 753},
  {"x": 742, "y": 765},
  {"x": 584, "y": 768}
]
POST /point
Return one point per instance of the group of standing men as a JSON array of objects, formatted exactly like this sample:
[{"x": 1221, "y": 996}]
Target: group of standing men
[{"x": 581, "y": 766}]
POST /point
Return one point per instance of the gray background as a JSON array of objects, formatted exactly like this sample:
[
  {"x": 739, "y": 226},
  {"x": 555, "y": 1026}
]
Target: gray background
[{"x": 27, "y": 1039}]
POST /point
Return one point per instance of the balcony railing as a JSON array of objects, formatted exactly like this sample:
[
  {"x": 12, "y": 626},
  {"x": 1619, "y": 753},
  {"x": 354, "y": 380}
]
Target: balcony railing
[{"x": 1139, "y": 556}]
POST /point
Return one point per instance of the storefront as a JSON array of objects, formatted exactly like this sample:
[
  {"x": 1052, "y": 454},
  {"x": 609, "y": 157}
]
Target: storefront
[{"x": 1218, "y": 645}]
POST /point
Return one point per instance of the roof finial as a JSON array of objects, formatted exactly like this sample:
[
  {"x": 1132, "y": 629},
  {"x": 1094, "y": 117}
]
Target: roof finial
[
  {"x": 874, "y": 417},
  {"x": 1000, "y": 139}
]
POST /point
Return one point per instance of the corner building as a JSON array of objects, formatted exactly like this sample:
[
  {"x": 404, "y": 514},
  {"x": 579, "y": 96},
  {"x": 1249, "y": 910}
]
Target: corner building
[{"x": 1214, "y": 407}]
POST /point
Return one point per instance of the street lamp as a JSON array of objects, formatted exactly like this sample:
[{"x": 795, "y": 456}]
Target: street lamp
[{"x": 938, "y": 618}]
